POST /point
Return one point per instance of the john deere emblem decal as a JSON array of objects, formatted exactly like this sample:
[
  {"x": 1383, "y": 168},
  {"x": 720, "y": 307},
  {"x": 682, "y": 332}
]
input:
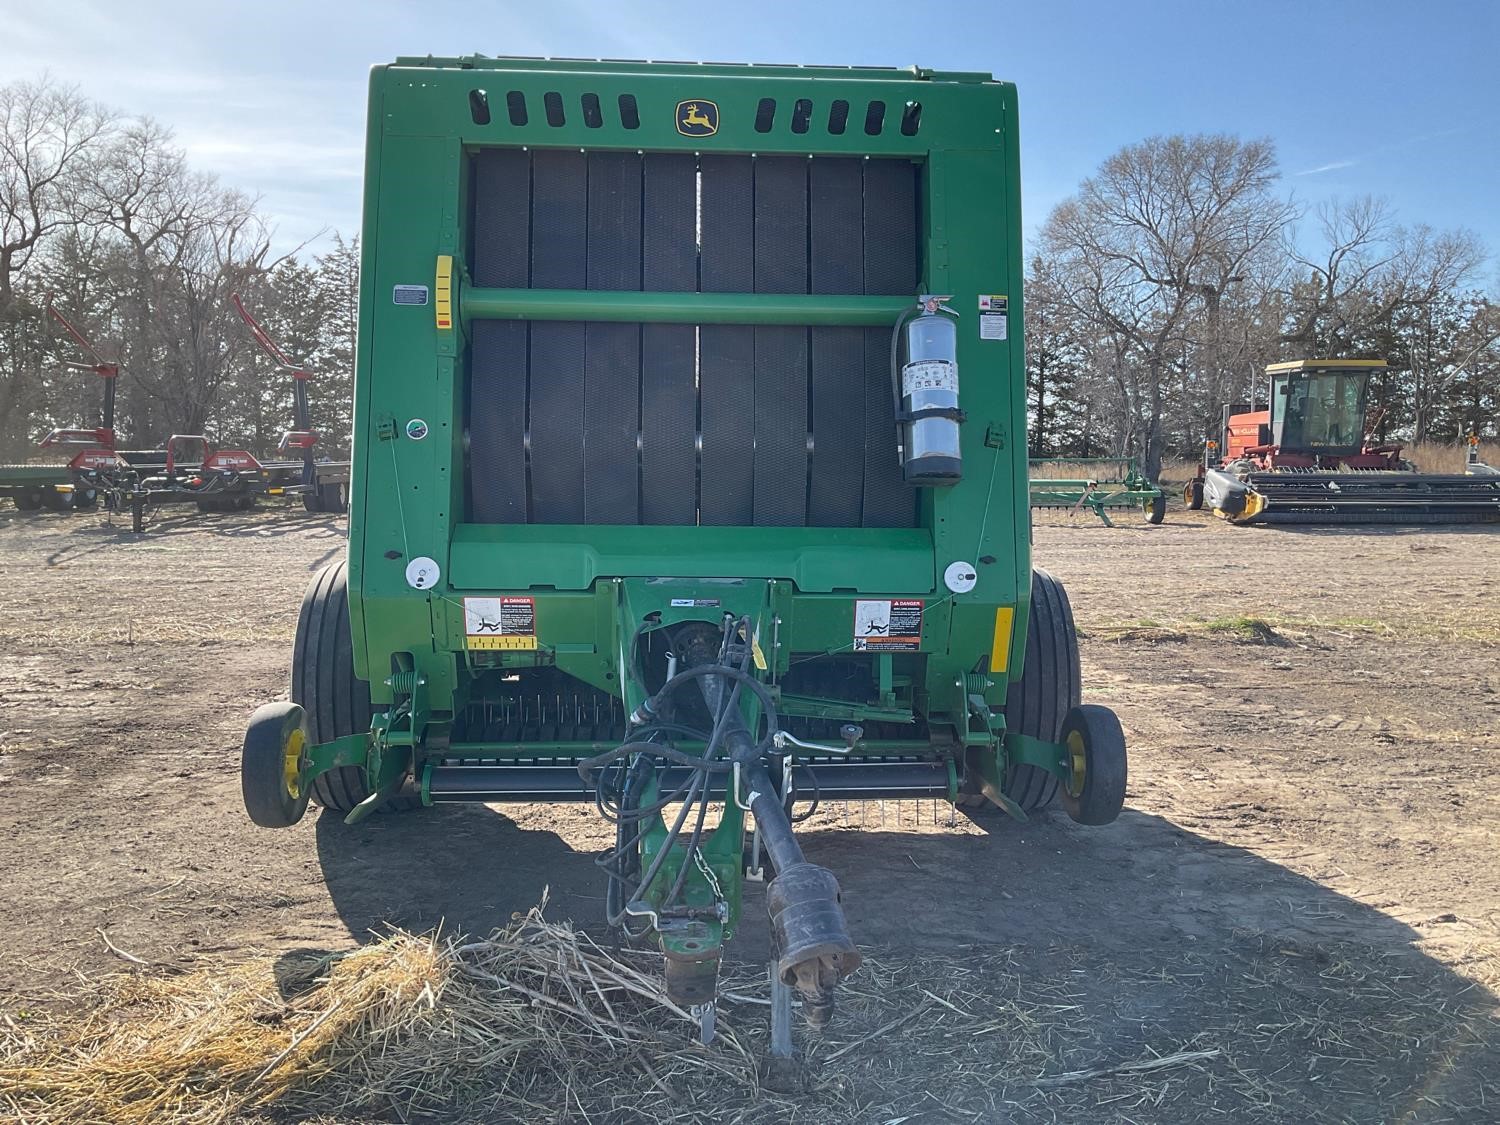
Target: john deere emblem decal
[{"x": 697, "y": 119}]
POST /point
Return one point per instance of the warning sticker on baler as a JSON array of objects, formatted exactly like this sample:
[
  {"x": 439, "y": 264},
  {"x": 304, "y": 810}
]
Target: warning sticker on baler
[
  {"x": 500, "y": 623},
  {"x": 888, "y": 626},
  {"x": 994, "y": 316}
]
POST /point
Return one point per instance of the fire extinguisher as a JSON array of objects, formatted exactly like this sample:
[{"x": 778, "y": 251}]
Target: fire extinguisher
[{"x": 924, "y": 379}]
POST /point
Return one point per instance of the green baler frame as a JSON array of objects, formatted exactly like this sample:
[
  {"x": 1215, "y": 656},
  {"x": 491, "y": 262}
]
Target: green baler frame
[
  {"x": 420, "y": 128},
  {"x": 594, "y": 585}
]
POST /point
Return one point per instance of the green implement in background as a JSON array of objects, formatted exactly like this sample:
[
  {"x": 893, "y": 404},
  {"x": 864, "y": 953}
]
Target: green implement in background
[{"x": 1117, "y": 484}]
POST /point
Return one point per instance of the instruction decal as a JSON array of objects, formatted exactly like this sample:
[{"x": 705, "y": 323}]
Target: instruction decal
[
  {"x": 994, "y": 316},
  {"x": 409, "y": 295},
  {"x": 888, "y": 626},
  {"x": 929, "y": 375},
  {"x": 500, "y": 623}
]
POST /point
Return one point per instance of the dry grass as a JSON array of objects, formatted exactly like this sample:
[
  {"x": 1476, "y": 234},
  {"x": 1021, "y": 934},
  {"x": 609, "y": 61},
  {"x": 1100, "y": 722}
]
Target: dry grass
[
  {"x": 161, "y": 622},
  {"x": 405, "y": 1025},
  {"x": 1275, "y": 629},
  {"x": 539, "y": 1023},
  {"x": 1433, "y": 457}
]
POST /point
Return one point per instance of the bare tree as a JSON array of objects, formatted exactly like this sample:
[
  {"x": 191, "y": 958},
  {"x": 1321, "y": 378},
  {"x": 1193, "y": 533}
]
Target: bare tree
[
  {"x": 1331, "y": 311},
  {"x": 1160, "y": 232},
  {"x": 1436, "y": 330},
  {"x": 45, "y": 132}
]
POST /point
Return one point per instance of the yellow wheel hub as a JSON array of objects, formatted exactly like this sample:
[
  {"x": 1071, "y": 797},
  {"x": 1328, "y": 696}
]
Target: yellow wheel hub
[
  {"x": 291, "y": 764},
  {"x": 1077, "y": 763}
]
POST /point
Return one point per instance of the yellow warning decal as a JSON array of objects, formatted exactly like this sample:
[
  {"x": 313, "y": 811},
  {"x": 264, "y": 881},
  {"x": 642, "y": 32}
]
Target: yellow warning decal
[
  {"x": 1005, "y": 617},
  {"x": 503, "y": 644},
  {"x": 442, "y": 291}
]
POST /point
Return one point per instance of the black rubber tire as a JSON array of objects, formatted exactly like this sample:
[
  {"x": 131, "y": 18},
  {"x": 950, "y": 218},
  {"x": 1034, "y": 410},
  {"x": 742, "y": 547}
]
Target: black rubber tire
[
  {"x": 1156, "y": 510},
  {"x": 55, "y": 501},
  {"x": 323, "y": 682},
  {"x": 334, "y": 497},
  {"x": 312, "y": 499},
  {"x": 1049, "y": 689},
  {"x": 1050, "y": 686},
  {"x": 263, "y": 782},
  {"x": 1103, "y": 793},
  {"x": 1192, "y": 495},
  {"x": 30, "y": 501},
  {"x": 85, "y": 499}
]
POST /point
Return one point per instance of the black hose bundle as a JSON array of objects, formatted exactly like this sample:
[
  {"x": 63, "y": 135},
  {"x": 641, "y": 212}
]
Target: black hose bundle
[{"x": 620, "y": 776}]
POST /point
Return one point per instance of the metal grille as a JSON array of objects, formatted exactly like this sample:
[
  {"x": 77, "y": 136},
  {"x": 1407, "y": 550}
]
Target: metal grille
[{"x": 675, "y": 424}]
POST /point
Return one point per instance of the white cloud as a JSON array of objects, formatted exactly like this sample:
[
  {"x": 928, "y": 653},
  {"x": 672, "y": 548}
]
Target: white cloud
[{"x": 1333, "y": 166}]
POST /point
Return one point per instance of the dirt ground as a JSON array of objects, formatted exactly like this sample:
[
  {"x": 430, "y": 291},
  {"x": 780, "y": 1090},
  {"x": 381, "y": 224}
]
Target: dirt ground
[{"x": 1305, "y": 884}]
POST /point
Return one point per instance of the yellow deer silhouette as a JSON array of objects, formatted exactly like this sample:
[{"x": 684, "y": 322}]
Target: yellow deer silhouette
[{"x": 695, "y": 118}]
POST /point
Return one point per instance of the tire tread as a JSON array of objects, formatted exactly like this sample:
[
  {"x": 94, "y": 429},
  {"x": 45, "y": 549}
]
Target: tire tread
[
  {"x": 323, "y": 682},
  {"x": 1050, "y": 685}
]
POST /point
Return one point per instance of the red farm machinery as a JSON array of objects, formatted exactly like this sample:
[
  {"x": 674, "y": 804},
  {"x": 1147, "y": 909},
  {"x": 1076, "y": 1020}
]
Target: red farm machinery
[
  {"x": 1308, "y": 457},
  {"x": 186, "y": 468}
]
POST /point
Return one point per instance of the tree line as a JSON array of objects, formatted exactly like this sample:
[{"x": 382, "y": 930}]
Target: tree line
[
  {"x": 102, "y": 216},
  {"x": 1154, "y": 296},
  {"x": 1160, "y": 290}
]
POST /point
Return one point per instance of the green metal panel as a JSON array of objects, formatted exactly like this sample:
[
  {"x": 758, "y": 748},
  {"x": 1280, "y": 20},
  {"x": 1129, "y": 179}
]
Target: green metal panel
[
  {"x": 33, "y": 475},
  {"x": 408, "y": 493}
]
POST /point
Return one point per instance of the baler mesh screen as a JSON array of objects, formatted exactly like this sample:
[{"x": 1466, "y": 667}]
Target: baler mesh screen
[{"x": 671, "y": 424}]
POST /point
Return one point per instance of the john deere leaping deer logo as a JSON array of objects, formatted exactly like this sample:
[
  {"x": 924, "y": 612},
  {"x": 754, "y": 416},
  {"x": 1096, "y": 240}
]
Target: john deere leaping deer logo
[{"x": 697, "y": 119}]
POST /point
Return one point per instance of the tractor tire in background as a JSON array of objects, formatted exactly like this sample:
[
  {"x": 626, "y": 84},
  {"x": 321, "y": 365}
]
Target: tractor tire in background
[
  {"x": 1050, "y": 686},
  {"x": 1156, "y": 508},
  {"x": 334, "y": 497},
  {"x": 337, "y": 701},
  {"x": 1192, "y": 495}
]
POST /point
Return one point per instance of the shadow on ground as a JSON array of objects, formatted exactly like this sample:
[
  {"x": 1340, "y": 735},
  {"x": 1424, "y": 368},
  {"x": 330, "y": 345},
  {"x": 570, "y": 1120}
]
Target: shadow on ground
[{"x": 1119, "y": 945}]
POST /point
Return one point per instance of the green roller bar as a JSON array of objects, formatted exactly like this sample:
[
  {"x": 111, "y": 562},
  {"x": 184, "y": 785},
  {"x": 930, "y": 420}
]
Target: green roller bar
[{"x": 681, "y": 308}]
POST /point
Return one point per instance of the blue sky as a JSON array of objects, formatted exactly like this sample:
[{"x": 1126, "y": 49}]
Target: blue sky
[{"x": 1398, "y": 100}]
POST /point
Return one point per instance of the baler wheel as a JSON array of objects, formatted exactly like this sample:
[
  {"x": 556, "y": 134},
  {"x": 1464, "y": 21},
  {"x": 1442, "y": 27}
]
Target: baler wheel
[
  {"x": 1095, "y": 791},
  {"x": 1192, "y": 495},
  {"x": 1156, "y": 508},
  {"x": 1049, "y": 687},
  {"x": 337, "y": 701},
  {"x": 269, "y": 764}
]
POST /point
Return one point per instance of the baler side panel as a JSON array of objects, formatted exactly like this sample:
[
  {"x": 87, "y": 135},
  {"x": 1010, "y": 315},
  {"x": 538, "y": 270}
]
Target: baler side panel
[{"x": 407, "y": 486}]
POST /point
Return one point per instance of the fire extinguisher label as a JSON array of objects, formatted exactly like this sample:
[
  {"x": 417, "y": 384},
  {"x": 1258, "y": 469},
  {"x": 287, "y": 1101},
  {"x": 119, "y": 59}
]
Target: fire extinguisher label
[{"x": 929, "y": 375}]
